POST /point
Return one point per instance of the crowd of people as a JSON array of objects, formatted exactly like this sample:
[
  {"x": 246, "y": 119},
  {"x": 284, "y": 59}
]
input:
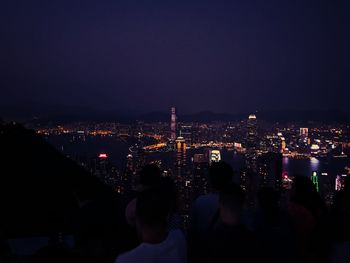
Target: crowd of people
[
  {"x": 224, "y": 229},
  {"x": 222, "y": 226}
]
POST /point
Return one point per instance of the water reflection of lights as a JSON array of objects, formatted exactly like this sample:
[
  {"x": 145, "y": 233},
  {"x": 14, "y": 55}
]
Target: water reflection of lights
[
  {"x": 314, "y": 163},
  {"x": 314, "y": 160}
]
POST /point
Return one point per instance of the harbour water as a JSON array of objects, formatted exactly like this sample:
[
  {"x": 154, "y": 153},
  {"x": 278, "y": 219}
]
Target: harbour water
[{"x": 118, "y": 149}]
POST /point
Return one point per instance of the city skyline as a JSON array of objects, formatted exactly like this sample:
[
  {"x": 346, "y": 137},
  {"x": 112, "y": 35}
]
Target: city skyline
[
  {"x": 261, "y": 154},
  {"x": 184, "y": 130}
]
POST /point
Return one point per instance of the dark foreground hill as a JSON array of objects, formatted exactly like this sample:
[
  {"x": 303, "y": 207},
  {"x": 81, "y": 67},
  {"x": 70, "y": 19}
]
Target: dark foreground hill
[{"x": 42, "y": 192}]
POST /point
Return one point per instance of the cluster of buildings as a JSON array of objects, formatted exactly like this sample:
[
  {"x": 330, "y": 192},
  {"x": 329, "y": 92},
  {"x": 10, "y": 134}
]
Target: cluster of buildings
[{"x": 192, "y": 147}]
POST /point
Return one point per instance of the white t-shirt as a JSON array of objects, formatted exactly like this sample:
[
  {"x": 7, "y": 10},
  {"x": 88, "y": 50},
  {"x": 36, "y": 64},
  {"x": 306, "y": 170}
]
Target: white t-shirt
[{"x": 171, "y": 250}]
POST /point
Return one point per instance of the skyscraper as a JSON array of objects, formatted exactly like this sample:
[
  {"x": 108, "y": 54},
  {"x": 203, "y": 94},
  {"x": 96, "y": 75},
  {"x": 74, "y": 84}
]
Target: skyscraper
[
  {"x": 314, "y": 179},
  {"x": 304, "y": 132},
  {"x": 181, "y": 176},
  {"x": 180, "y": 144},
  {"x": 105, "y": 170},
  {"x": 249, "y": 176},
  {"x": 214, "y": 156},
  {"x": 270, "y": 170},
  {"x": 251, "y": 131},
  {"x": 186, "y": 132},
  {"x": 130, "y": 177},
  {"x": 200, "y": 174},
  {"x": 251, "y": 143},
  {"x": 173, "y": 124}
]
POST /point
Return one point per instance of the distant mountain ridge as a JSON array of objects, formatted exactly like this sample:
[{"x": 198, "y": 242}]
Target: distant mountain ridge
[{"x": 64, "y": 114}]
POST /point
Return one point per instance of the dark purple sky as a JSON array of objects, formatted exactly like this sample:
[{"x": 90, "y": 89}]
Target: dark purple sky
[{"x": 225, "y": 56}]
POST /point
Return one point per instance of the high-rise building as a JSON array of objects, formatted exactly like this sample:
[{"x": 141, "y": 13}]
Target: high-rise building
[
  {"x": 314, "y": 179},
  {"x": 340, "y": 182},
  {"x": 180, "y": 144},
  {"x": 130, "y": 175},
  {"x": 186, "y": 132},
  {"x": 251, "y": 143},
  {"x": 139, "y": 154},
  {"x": 251, "y": 132},
  {"x": 304, "y": 137},
  {"x": 173, "y": 124},
  {"x": 251, "y": 170},
  {"x": 283, "y": 145},
  {"x": 304, "y": 132},
  {"x": 180, "y": 161},
  {"x": 105, "y": 170},
  {"x": 181, "y": 175},
  {"x": 200, "y": 174},
  {"x": 214, "y": 156},
  {"x": 101, "y": 165},
  {"x": 270, "y": 170}
]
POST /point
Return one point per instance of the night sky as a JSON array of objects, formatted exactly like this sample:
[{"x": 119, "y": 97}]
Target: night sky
[{"x": 223, "y": 56}]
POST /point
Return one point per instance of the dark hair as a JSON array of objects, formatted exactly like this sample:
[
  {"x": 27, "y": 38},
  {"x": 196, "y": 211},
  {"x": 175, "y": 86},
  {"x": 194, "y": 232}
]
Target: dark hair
[
  {"x": 232, "y": 197},
  {"x": 150, "y": 175},
  {"x": 152, "y": 206},
  {"x": 305, "y": 194},
  {"x": 268, "y": 198},
  {"x": 168, "y": 187},
  {"x": 220, "y": 174}
]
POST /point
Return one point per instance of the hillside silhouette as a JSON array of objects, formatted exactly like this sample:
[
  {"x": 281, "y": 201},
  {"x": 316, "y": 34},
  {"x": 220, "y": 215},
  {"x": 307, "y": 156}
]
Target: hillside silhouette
[{"x": 42, "y": 191}]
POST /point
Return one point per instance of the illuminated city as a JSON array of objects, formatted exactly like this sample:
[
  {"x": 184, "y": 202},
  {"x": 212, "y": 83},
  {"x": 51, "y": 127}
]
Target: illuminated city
[
  {"x": 270, "y": 151},
  {"x": 212, "y": 131}
]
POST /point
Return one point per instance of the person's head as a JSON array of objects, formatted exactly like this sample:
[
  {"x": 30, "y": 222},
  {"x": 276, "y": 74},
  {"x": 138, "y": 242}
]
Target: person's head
[
  {"x": 152, "y": 209},
  {"x": 268, "y": 198},
  {"x": 169, "y": 188},
  {"x": 231, "y": 201},
  {"x": 302, "y": 189},
  {"x": 220, "y": 175},
  {"x": 304, "y": 193},
  {"x": 150, "y": 175}
]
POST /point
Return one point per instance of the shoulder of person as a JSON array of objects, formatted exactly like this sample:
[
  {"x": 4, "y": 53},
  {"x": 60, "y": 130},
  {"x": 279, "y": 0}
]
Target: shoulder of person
[
  {"x": 134, "y": 255},
  {"x": 178, "y": 237}
]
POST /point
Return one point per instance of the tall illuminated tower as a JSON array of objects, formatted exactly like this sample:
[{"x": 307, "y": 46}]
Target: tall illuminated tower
[
  {"x": 251, "y": 142},
  {"x": 173, "y": 124},
  {"x": 251, "y": 131},
  {"x": 249, "y": 176},
  {"x": 314, "y": 179}
]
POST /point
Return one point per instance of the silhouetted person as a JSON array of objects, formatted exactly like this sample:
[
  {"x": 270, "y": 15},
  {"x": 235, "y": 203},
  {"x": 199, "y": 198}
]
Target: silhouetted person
[
  {"x": 304, "y": 193},
  {"x": 205, "y": 208},
  {"x": 230, "y": 240},
  {"x": 306, "y": 210},
  {"x": 168, "y": 185},
  {"x": 169, "y": 189},
  {"x": 339, "y": 226},
  {"x": 273, "y": 228},
  {"x": 150, "y": 176},
  {"x": 100, "y": 229},
  {"x": 158, "y": 244}
]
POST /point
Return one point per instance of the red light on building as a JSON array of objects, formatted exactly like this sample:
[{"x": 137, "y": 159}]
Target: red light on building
[{"x": 102, "y": 155}]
